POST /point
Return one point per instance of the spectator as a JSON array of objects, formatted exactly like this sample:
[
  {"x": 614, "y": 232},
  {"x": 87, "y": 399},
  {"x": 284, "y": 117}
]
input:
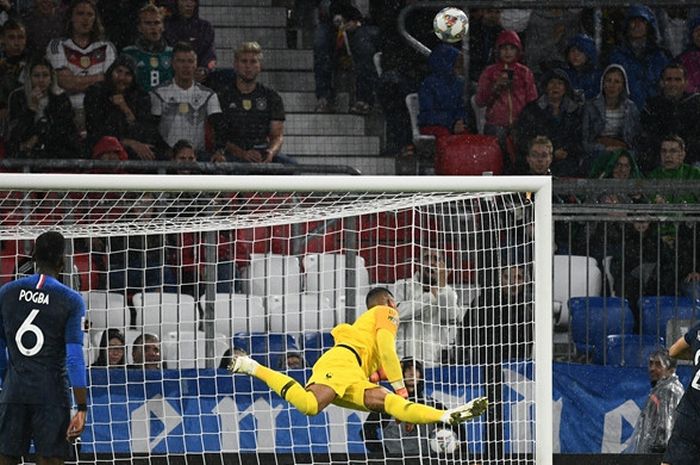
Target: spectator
[
  {"x": 538, "y": 160},
  {"x": 403, "y": 69},
  {"x": 505, "y": 88},
  {"x": 672, "y": 153},
  {"x": 556, "y": 114},
  {"x": 441, "y": 95},
  {"x": 82, "y": 57},
  {"x": 293, "y": 361},
  {"x": 340, "y": 33},
  {"x": 118, "y": 107},
  {"x": 153, "y": 56},
  {"x": 120, "y": 19},
  {"x": 674, "y": 111},
  {"x": 44, "y": 22},
  {"x": 690, "y": 58},
  {"x": 611, "y": 120},
  {"x": 484, "y": 28},
  {"x": 145, "y": 353},
  {"x": 183, "y": 153},
  {"x": 640, "y": 54},
  {"x": 617, "y": 164},
  {"x": 506, "y": 305},
  {"x": 252, "y": 125},
  {"x": 137, "y": 262},
  {"x": 673, "y": 27},
  {"x": 548, "y": 31},
  {"x": 428, "y": 309},
  {"x": 183, "y": 105},
  {"x": 112, "y": 349},
  {"x": 109, "y": 148},
  {"x": 41, "y": 117},
  {"x": 186, "y": 26},
  {"x": 14, "y": 42},
  {"x": 402, "y": 442},
  {"x": 654, "y": 425},
  {"x": 582, "y": 66}
]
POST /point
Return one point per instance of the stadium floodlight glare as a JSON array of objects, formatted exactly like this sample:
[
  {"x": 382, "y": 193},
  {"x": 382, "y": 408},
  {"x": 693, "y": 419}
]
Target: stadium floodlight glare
[{"x": 269, "y": 265}]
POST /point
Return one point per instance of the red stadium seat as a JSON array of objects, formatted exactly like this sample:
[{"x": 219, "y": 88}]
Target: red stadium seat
[{"x": 468, "y": 154}]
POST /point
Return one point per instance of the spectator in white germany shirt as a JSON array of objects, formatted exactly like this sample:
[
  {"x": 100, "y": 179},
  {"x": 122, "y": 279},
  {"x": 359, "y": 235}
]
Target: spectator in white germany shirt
[{"x": 428, "y": 310}]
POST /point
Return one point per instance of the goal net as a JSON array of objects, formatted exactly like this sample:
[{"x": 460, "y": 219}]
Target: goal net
[{"x": 179, "y": 272}]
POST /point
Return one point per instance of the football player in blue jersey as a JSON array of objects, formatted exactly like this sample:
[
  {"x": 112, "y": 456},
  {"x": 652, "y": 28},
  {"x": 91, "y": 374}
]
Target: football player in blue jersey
[
  {"x": 684, "y": 446},
  {"x": 41, "y": 352}
]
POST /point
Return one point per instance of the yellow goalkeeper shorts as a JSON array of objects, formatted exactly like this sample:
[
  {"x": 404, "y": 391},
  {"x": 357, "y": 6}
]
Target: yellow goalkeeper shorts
[{"x": 340, "y": 370}]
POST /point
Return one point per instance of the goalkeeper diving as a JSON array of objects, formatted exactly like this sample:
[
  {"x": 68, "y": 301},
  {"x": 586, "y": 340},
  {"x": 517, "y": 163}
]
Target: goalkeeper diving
[{"x": 346, "y": 375}]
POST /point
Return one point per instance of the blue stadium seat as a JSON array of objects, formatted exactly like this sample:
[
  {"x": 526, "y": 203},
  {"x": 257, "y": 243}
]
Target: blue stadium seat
[
  {"x": 316, "y": 344},
  {"x": 270, "y": 349},
  {"x": 658, "y": 310},
  {"x": 631, "y": 350},
  {"x": 594, "y": 318}
]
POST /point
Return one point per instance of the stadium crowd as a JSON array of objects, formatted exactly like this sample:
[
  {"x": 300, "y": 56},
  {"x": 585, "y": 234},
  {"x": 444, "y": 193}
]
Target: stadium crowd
[{"x": 146, "y": 74}]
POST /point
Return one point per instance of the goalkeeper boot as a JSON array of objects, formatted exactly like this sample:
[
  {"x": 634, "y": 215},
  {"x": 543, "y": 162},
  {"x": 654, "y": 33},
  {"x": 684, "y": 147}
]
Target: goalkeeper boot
[
  {"x": 471, "y": 409},
  {"x": 242, "y": 364}
]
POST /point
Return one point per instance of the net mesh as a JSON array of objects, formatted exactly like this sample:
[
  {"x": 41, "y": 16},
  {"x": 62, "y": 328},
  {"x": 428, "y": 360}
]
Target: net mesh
[{"x": 271, "y": 274}]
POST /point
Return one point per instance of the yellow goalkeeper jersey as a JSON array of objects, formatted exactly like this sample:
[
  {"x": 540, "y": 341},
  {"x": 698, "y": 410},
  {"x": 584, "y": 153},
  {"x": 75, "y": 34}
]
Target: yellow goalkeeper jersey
[{"x": 362, "y": 336}]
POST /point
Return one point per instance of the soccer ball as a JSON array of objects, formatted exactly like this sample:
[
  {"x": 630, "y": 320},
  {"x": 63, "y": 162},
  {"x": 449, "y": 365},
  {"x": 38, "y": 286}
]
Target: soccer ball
[
  {"x": 443, "y": 441},
  {"x": 451, "y": 24}
]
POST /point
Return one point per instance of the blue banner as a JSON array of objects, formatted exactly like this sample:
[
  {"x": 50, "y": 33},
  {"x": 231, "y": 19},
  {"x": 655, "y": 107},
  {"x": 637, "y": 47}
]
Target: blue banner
[
  {"x": 596, "y": 407},
  {"x": 194, "y": 411}
]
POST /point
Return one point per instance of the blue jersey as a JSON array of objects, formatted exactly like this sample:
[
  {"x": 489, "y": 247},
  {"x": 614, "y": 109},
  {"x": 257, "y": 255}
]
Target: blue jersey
[
  {"x": 38, "y": 317},
  {"x": 690, "y": 403}
]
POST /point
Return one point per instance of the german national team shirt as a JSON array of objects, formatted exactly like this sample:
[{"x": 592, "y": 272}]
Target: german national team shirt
[
  {"x": 88, "y": 61},
  {"x": 247, "y": 117},
  {"x": 183, "y": 112},
  {"x": 152, "y": 67},
  {"x": 38, "y": 316}
]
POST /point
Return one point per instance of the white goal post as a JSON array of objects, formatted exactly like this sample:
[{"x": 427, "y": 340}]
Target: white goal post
[{"x": 133, "y": 209}]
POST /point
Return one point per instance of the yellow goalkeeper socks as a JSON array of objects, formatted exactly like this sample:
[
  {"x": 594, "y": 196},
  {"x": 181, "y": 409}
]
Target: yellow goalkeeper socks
[
  {"x": 410, "y": 412},
  {"x": 289, "y": 389}
]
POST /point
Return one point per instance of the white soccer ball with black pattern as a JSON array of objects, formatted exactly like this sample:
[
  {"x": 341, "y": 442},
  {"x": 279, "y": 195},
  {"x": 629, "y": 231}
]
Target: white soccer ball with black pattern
[
  {"x": 444, "y": 441},
  {"x": 451, "y": 24}
]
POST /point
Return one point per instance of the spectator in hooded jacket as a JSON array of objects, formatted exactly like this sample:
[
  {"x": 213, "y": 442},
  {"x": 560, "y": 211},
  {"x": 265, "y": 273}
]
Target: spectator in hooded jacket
[
  {"x": 582, "y": 66},
  {"x": 118, "y": 107},
  {"x": 187, "y": 26},
  {"x": 441, "y": 95},
  {"x": 640, "y": 54},
  {"x": 505, "y": 87},
  {"x": 557, "y": 114},
  {"x": 611, "y": 120},
  {"x": 690, "y": 58},
  {"x": 673, "y": 111},
  {"x": 41, "y": 117}
]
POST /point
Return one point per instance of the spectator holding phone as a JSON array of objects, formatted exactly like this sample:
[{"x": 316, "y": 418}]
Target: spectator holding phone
[{"x": 505, "y": 87}]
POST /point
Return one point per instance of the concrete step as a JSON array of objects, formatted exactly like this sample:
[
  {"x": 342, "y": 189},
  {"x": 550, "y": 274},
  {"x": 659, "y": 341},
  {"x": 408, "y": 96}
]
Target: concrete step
[
  {"x": 282, "y": 81},
  {"x": 323, "y": 146},
  {"x": 273, "y": 59},
  {"x": 266, "y": 37},
  {"x": 315, "y": 124},
  {"x": 230, "y": 3},
  {"x": 305, "y": 102},
  {"x": 244, "y": 16},
  {"x": 369, "y": 165}
]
